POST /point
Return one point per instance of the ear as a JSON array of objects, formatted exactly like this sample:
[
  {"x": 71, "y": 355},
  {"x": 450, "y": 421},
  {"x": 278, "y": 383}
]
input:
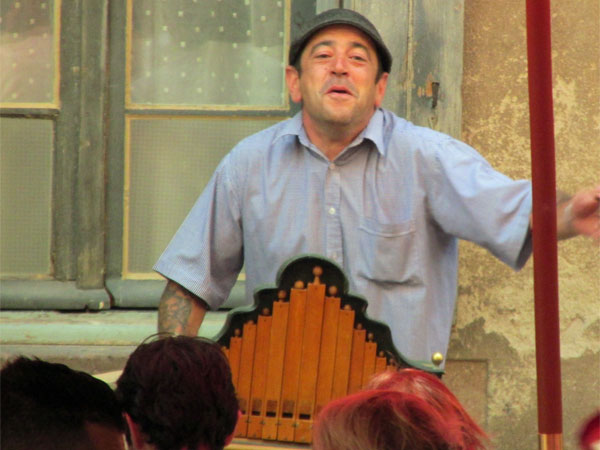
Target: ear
[
  {"x": 292, "y": 79},
  {"x": 229, "y": 438},
  {"x": 380, "y": 89},
  {"x": 137, "y": 437}
]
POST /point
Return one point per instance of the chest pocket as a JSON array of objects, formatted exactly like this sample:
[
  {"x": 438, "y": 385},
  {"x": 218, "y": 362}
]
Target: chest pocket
[{"x": 388, "y": 252}]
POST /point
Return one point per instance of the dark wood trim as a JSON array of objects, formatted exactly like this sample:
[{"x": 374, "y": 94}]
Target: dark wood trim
[
  {"x": 437, "y": 56},
  {"x": 91, "y": 216},
  {"x": 29, "y": 113},
  {"x": 66, "y": 137},
  {"x": 116, "y": 139}
]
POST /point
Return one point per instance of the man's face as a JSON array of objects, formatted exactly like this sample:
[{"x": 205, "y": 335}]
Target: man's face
[{"x": 337, "y": 82}]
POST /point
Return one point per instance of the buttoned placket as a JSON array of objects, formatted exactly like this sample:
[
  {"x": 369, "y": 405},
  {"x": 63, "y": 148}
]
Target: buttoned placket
[{"x": 332, "y": 213}]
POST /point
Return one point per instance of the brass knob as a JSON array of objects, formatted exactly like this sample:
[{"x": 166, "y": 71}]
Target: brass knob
[
  {"x": 317, "y": 271},
  {"x": 437, "y": 358}
]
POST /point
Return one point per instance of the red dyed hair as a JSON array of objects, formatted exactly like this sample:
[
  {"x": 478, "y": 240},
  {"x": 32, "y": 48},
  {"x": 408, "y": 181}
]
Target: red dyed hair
[
  {"x": 434, "y": 391},
  {"x": 382, "y": 420},
  {"x": 589, "y": 434}
]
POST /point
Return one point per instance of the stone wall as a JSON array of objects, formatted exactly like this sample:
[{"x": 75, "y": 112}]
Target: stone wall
[{"x": 494, "y": 323}]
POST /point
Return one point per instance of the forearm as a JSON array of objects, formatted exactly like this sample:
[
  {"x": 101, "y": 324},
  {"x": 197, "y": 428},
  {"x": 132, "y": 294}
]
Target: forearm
[{"x": 180, "y": 311}]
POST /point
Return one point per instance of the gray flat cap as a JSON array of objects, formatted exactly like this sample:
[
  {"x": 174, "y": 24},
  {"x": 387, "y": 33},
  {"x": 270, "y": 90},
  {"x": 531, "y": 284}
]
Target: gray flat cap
[{"x": 340, "y": 16}]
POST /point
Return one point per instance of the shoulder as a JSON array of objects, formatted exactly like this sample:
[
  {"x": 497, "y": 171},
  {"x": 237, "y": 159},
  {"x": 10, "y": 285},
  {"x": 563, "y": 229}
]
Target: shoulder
[
  {"x": 251, "y": 155},
  {"x": 264, "y": 140},
  {"x": 423, "y": 142}
]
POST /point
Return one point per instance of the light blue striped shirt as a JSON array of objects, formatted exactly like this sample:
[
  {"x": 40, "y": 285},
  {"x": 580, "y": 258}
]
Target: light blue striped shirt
[{"x": 389, "y": 210}]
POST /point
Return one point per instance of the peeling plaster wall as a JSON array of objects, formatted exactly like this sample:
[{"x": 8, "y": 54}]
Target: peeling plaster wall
[{"x": 494, "y": 319}]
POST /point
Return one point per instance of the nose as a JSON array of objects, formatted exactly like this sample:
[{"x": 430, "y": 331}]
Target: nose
[{"x": 339, "y": 65}]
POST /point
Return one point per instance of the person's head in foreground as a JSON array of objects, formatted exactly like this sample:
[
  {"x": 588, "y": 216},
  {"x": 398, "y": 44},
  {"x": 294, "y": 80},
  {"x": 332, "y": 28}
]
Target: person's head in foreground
[
  {"x": 434, "y": 391},
  {"x": 382, "y": 420},
  {"x": 177, "y": 393},
  {"x": 589, "y": 434},
  {"x": 50, "y": 406}
]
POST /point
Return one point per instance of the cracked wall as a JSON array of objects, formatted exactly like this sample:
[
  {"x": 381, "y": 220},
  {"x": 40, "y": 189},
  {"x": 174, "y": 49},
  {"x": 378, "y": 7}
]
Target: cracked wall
[{"x": 494, "y": 321}]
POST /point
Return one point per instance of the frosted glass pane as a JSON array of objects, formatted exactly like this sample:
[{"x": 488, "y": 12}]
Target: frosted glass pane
[
  {"x": 208, "y": 52},
  {"x": 171, "y": 161},
  {"x": 25, "y": 196},
  {"x": 27, "y": 51}
]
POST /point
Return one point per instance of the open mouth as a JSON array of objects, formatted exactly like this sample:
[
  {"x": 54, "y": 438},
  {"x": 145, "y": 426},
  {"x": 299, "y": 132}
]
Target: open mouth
[{"x": 339, "y": 90}]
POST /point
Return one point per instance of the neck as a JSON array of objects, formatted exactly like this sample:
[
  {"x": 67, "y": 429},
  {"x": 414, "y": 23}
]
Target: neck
[{"x": 331, "y": 138}]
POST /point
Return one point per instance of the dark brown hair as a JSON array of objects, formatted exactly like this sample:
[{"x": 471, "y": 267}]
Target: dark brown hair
[
  {"x": 49, "y": 405},
  {"x": 179, "y": 391}
]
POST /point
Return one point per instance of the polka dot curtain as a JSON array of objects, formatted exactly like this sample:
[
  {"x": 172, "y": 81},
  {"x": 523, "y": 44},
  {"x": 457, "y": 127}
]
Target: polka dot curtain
[
  {"x": 27, "y": 53},
  {"x": 208, "y": 52}
]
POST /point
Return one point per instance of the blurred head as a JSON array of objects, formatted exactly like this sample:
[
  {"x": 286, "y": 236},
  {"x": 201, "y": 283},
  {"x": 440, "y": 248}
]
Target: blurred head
[
  {"x": 177, "y": 393},
  {"x": 431, "y": 389},
  {"x": 47, "y": 405},
  {"x": 381, "y": 420},
  {"x": 589, "y": 434}
]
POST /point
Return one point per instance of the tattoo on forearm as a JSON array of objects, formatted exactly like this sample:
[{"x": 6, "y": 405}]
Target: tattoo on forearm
[{"x": 174, "y": 310}]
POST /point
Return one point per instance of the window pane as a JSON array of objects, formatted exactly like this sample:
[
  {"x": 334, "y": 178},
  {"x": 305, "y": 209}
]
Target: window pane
[
  {"x": 27, "y": 51},
  {"x": 25, "y": 196},
  {"x": 170, "y": 163},
  {"x": 208, "y": 52}
]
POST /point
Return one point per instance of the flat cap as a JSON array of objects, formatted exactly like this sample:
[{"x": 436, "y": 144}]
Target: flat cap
[{"x": 340, "y": 16}]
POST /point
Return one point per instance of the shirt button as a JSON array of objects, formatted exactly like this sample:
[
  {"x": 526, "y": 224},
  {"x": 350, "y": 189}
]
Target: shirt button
[
  {"x": 332, "y": 210},
  {"x": 334, "y": 256},
  {"x": 332, "y": 166}
]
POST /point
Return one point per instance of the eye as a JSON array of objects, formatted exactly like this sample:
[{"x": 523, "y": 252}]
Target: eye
[{"x": 358, "y": 58}]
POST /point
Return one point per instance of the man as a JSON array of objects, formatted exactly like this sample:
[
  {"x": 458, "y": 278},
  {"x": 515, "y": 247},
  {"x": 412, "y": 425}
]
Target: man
[
  {"x": 50, "y": 406},
  {"x": 177, "y": 393},
  {"x": 346, "y": 179}
]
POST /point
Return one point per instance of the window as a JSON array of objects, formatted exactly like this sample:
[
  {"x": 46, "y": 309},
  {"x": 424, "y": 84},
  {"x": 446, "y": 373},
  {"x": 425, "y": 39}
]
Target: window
[
  {"x": 199, "y": 76},
  {"x": 29, "y": 60}
]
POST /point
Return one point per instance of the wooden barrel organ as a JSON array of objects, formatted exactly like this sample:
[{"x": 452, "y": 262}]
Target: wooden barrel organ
[{"x": 302, "y": 345}]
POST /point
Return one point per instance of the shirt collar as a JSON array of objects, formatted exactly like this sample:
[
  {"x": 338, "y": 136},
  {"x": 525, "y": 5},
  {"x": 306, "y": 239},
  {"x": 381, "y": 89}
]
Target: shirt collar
[{"x": 373, "y": 132}]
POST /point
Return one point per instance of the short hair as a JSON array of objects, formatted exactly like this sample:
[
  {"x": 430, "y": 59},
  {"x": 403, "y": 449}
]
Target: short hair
[
  {"x": 436, "y": 393},
  {"x": 45, "y": 405},
  {"x": 381, "y": 420},
  {"x": 179, "y": 391}
]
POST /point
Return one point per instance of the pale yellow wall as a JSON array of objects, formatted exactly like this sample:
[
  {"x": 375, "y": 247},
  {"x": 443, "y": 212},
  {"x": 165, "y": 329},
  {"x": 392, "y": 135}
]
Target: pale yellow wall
[{"x": 494, "y": 320}]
